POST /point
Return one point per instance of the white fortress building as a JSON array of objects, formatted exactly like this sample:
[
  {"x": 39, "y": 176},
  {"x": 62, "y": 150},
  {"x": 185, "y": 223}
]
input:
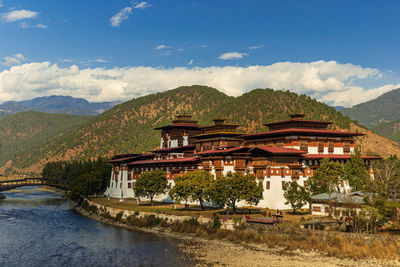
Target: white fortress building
[{"x": 290, "y": 151}]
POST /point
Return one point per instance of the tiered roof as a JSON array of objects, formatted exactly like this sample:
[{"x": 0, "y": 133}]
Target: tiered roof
[{"x": 181, "y": 122}]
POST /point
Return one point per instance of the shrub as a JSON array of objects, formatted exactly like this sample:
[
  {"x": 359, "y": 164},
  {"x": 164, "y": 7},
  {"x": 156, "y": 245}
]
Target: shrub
[
  {"x": 118, "y": 217},
  {"x": 216, "y": 222}
]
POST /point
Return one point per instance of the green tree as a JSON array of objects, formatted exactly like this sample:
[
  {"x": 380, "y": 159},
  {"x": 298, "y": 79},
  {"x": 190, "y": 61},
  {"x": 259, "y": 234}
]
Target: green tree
[
  {"x": 194, "y": 186},
  {"x": 218, "y": 193},
  {"x": 355, "y": 172},
  {"x": 85, "y": 185},
  {"x": 54, "y": 170},
  {"x": 237, "y": 187},
  {"x": 297, "y": 196},
  {"x": 88, "y": 177},
  {"x": 150, "y": 184},
  {"x": 326, "y": 179}
]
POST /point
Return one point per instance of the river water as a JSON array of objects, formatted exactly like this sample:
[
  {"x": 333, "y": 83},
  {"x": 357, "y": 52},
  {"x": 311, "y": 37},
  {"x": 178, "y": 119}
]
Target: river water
[{"x": 38, "y": 228}]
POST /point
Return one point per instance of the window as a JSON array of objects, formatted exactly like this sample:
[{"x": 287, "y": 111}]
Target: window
[
  {"x": 268, "y": 185},
  {"x": 279, "y": 144},
  {"x": 330, "y": 147},
  {"x": 304, "y": 145},
  {"x": 129, "y": 185},
  {"x": 169, "y": 185},
  {"x": 129, "y": 176},
  {"x": 316, "y": 208},
  {"x": 218, "y": 174},
  {"x": 305, "y": 183},
  {"x": 320, "y": 147},
  {"x": 346, "y": 147},
  {"x": 283, "y": 184},
  {"x": 260, "y": 173}
]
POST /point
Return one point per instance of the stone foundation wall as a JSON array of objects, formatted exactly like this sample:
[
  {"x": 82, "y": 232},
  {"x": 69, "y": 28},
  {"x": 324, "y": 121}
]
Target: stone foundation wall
[{"x": 228, "y": 224}]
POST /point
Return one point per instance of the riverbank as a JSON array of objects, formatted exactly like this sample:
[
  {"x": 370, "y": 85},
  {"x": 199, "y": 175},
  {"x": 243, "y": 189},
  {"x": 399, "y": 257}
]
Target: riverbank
[{"x": 235, "y": 248}]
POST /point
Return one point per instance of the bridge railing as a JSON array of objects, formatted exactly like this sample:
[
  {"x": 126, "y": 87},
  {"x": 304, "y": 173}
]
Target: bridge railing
[{"x": 10, "y": 184}]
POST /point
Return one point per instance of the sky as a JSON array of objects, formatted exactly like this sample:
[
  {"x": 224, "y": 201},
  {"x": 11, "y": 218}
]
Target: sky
[{"x": 340, "y": 52}]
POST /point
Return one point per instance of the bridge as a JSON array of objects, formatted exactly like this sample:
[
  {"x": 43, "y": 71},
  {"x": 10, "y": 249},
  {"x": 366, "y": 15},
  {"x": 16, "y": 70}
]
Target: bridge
[{"x": 11, "y": 184}]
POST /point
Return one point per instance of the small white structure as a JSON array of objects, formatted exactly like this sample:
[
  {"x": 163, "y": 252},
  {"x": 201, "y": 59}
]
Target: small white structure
[{"x": 344, "y": 204}]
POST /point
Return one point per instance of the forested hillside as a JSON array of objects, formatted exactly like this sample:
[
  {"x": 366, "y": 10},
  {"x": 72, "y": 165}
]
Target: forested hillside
[
  {"x": 23, "y": 135},
  {"x": 128, "y": 127}
]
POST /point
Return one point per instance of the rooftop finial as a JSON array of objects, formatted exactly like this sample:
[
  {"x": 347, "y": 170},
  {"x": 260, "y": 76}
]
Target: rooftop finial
[
  {"x": 297, "y": 116},
  {"x": 218, "y": 121}
]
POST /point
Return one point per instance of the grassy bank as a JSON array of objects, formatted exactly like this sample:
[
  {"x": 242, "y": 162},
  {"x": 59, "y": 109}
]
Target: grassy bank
[
  {"x": 288, "y": 236},
  {"x": 193, "y": 210}
]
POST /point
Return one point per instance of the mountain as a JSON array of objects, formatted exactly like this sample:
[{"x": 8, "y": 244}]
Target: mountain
[
  {"x": 56, "y": 104},
  {"x": 338, "y": 108},
  {"x": 390, "y": 130},
  {"x": 128, "y": 127},
  {"x": 23, "y": 135},
  {"x": 385, "y": 108}
]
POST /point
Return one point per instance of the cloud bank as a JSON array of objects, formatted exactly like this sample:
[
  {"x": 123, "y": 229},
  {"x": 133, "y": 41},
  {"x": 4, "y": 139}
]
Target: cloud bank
[
  {"x": 328, "y": 81},
  {"x": 21, "y": 14}
]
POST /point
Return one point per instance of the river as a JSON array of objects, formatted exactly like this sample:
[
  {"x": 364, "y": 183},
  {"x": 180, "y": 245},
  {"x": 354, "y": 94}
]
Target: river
[{"x": 38, "y": 228}]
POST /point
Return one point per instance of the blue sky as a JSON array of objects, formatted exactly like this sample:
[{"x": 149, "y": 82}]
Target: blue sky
[{"x": 107, "y": 50}]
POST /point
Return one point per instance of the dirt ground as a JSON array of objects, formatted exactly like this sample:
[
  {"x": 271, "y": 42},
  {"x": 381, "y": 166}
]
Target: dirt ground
[{"x": 224, "y": 253}]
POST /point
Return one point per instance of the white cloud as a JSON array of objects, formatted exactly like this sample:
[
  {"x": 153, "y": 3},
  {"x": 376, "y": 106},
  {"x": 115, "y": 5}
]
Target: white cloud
[
  {"x": 255, "y": 47},
  {"x": 328, "y": 81},
  {"x": 191, "y": 62},
  {"x": 25, "y": 25},
  {"x": 122, "y": 15},
  {"x": 159, "y": 47},
  {"x": 203, "y": 45},
  {"x": 41, "y": 26},
  {"x": 232, "y": 55},
  {"x": 17, "y": 59},
  {"x": 142, "y": 5},
  {"x": 100, "y": 60},
  {"x": 21, "y": 14},
  {"x": 1, "y": 3}
]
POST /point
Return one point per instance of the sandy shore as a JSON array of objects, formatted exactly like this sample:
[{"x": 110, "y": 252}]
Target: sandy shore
[{"x": 224, "y": 253}]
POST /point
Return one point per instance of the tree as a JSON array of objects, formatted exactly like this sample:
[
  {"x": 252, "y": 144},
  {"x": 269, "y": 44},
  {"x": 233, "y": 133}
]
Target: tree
[
  {"x": 194, "y": 186},
  {"x": 237, "y": 187},
  {"x": 85, "y": 185},
  {"x": 386, "y": 182},
  {"x": 218, "y": 192},
  {"x": 54, "y": 170},
  {"x": 297, "y": 196},
  {"x": 326, "y": 179},
  {"x": 355, "y": 172},
  {"x": 150, "y": 184}
]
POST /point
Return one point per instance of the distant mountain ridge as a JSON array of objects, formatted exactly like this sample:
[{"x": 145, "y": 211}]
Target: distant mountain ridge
[
  {"x": 57, "y": 104},
  {"x": 128, "y": 127},
  {"x": 384, "y": 108},
  {"x": 381, "y": 115}
]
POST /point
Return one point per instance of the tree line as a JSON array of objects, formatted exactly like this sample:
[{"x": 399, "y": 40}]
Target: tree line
[
  {"x": 201, "y": 186},
  {"x": 84, "y": 178}
]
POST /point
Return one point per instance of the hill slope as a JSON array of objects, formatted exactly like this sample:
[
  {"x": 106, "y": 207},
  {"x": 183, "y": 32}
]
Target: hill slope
[
  {"x": 390, "y": 130},
  {"x": 382, "y": 109},
  {"x": 128, "y": 127},
  {"x": 56, "y": 104},
  {"x": 23, "y": 135}
]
